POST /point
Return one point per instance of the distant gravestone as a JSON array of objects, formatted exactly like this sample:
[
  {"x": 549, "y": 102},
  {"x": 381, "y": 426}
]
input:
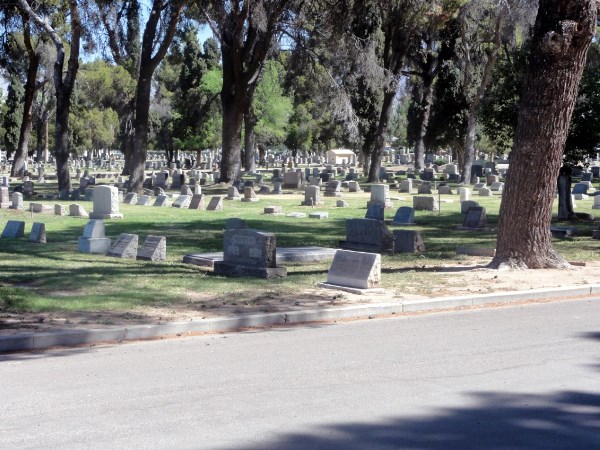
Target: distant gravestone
[
  {"x": 182, "y": 201},
  {"x": 353, "y": 186},
  {"x": 580, "y": 188},
  {"x": 4, "y": 198},
  {"x": 292, "y": 180},
  {"x": 60, "y": 210},
  {"x": 275, "y": 209},
  {"x": 197, "y": 202},
  {"x": 405, "y": 215},
  {"x": 408, "y": 241},
  {"x": 249, "y": 195},
  {"x": 425, "y": 188},
  {"x": 380, "y": 195},
  {"x": 38, "y": 233},
  {"x": 144, "y": 200},
  {"x": 17, "y": 201},
  {"x": 76, "y": 210},
  {"x": 341, "y": 204},
  {"x": 153, "y": 249},
  {"x": 215, "y": 204},
  {"x": 406, "y": 186},
  {"x": 368, "y": 235},
  {"x": 130, "y": 198},
  {"x": 106, "y": 203},
  {"x": 318, "y": 215},
  {"x": 485, "y": 192},
  {"x": 465, "y": 194},
  {"x": 312, "y": 196},
  {"x": 425, "y": 204},
  {"x": 249, "y": 253},
  {"x": 445, "y": 190},
  {"x": 332, "y": 189},
  {"x": 375, "y": 211},
  {"x": 125, "y": 247},
  {"x": 93, "y": 239},
  {"x": 497, "y": 186},
  {"x": 355, "y": 270},
  {"x": 475, "y": 218},
  {"x": 235, "y": 224},
  {"x": 89, "y": 195},
  {"x": 14, "y": 229},
  {"x": 466, "y": 205},
  {"x": 161, "y": 200}
]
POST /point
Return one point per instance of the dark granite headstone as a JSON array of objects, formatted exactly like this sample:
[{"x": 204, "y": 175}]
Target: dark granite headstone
[
  {"x": 405, "y": 215},
  {"x": 375, "y": 211},
  {"x": 368, "y": 235},
  {"x": 408, "y": 241},
  {"x": 475, "y": 217},
  {"x": 14, "y": 229},
  {"x": 197, "y": 202},
  {"x": 38, "y": 233},
  {"x": 215, "y": 204}
]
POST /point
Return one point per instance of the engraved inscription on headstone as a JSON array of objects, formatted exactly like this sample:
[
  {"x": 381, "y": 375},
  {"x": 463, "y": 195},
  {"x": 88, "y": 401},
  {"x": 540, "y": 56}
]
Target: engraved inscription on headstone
[
  {"x": 215, "y": 204},
  {"x": 475, "y": 218},
  {"x": 38, "y": 233},
  {"x": 153, "y": 249},
  {"x": 125, "y": 247},
  {"x": 355, "y": 270},
  {"x": 14, "y": 229}
]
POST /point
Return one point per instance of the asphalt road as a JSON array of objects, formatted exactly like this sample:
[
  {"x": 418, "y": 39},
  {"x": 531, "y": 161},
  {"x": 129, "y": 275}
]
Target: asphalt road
[{"x": 512, "y": 377}]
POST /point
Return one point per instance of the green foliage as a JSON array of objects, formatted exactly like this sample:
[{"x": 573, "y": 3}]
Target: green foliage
[
  {"x": 93, "y": 128},
  {"x": 272, "y": 107},
  {"x": 13, "y": 115}
]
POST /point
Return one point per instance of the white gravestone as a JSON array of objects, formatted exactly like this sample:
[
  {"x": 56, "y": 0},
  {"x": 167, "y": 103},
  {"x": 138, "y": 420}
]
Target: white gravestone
[
  {"x": 106, "y": 203},
  {"x": 354, "y": 270},
  {"x": 93, "y": 239}
]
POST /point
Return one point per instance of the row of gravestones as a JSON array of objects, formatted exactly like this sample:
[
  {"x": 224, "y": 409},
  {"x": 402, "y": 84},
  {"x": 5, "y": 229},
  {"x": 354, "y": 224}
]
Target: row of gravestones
[
  {"x": 15, "y": 229},
  {"x": 195, "y": 201},
  {"x": 94, "y": 240}
]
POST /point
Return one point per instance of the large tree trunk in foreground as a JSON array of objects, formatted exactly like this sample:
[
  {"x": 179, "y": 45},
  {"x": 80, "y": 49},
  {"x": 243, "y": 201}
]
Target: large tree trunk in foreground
[
  {"x": 384, "y": 120},
  {"x": 563, "y": 32},
  {"x": 249, "y": 141}
]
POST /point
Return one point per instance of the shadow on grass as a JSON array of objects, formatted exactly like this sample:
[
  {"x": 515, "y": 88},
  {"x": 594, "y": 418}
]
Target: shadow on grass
[{"x": 566, "y": 420}]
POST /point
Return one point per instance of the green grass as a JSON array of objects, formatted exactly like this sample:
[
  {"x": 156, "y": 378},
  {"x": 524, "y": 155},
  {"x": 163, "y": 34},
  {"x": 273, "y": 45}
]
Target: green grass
[{"x": 55, "y": 277}]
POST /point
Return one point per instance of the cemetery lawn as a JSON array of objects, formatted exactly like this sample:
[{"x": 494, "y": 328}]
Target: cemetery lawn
[{"x": 45, "y": 284}]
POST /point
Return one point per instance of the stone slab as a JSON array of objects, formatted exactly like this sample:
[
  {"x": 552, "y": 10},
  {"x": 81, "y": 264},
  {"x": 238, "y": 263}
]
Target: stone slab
[
  {"x": 125, "y": 247},
  {"x": 14, "y": 229},
  {"x": 355, "y": 270},
  {"x": 153, "y": 249}
]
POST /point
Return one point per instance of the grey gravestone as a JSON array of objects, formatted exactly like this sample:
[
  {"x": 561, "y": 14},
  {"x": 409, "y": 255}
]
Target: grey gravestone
[
  {"x": 264, "y": 190},
  {"x": 292, "y": 180},
  {"x": 38, "y": 233},
  {"x": 579, "y": 188},
  {"x": 475, "y": 218},
  {"x": 4, "y": 198},
  {"x": 153, "y": 249},
  {"x": 356, "y": 270},
  {"x": 466, "y": 205},
  {"x": 332, "y": 189},
  {"x": 125, "y": 247},
  {"x": 235, "y": 224},
  {"x": 272, "y": 210},
  {"x": 130, "y": 198},
  {"x": 380, "y": 195},
  {"x": 93, "y": 239},
  {"x": 233, "y": 193},
  {"x": 425, "y": 204},
  {"x": 445, "y": 190},
  {"x": 250, "y": 195},
  {"x": 17, "y": 200},
  {"x": 106, "y": 203},
  {"x": 485, "y": 192},
  {"x": 60, "y": 210},
  {"x": 353, "y": 186},
  {"x": 341, "y": 204},
  {"x": 405, "y": 215},
  {"x": 425, "y": 188},
  {"x": 406, "y": 186},
  {"x": 312, "y": 196},
  {"x": 318, "y": 215},
  {"x": 215, "y": 204},
  {"x": 144, "y": 200},
  {"x": 408, "y": 241},
  {"x": 14, "y": 229},
  {"x": 89, "y": 195},
  {"x": 249, "y": 253},
  {"x": 368, "y": 235},
  {"x": 77, "y": 210},
  {"x": 197, "y": 202},
  {"x": 182, "y": 201},
  {"x": 161, "y": 200},
  {"x": 375, "y": 211}
]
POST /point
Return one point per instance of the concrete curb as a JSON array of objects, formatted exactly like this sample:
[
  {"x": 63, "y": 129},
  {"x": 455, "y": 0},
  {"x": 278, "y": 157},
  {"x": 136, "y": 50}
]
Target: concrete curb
[{"x": 71, "y": 338}]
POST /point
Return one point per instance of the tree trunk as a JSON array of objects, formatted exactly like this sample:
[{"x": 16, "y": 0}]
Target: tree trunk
[
  {"x": 384, "y": 120},
  {"x": 562, "y": 34},
  {"x": 425, "y": 114},
  {"x": 469, "y": 150},
  {"x": 249, "y": 142},
  {"x": 233, "y": 118},
  {"x": 565, "y": 203},
  {"x": 141, "y": 127}
]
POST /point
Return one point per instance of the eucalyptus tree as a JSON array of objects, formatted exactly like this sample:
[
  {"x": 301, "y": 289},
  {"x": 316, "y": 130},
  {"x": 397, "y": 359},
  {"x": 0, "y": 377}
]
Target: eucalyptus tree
[{"x": 562, "y": 35}]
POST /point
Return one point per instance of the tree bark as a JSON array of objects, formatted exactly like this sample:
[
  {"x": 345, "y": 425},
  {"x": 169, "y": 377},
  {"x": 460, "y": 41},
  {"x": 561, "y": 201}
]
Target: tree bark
[
  {"x": 18, "y": 166},
  {"x": 384, "y": 120},
  {"x": 428, "y": 78},
  {"x": 233, "y": 118},
  {"x": 562, "y": 34}
]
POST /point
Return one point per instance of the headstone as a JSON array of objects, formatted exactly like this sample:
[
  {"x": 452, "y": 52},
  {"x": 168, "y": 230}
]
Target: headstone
[
  {"x": 478, "y": 186},
  {"x": 249, "y": 253},
  {"x": 341, "y": 204},
  {"x": 38, "y": 233},
  {"x": 130, "y": 198},
  {"x": 14, "y": 229},
  {"x": 249, "y": 195},
  {"x": 93, "y": 239},
  {"x": 182, "y": 201},
  {"x": 125, "y": 247},
  {"x": 368, "y": 235},
  {"x": 235, "y": 224},
  {"x": 425, "y": 188},
  {"x": 405, "y": 215},
  {"x": 332, "y": 189},
  {"x": 596, "y": 204},
  {"x": 197, "y": 202},
  {"x": 89, "y": 195},
  {"x": 318, "y": 215},
  {"x": 580, "y": 188},
  {"x": 485, "y": 192},
  {"x": 445, "y": 190},
  {"x": 587, "y": 176},
  {"x": 465, "y": 193},
  {"x": 144, "y": 200},
  {"x": 76, "y": 210},
  {"x": 161, "y": 200},
  {"x": 354, "y": 270},
  {"x": 312, "y": 196},
  {"x": 60, "y": 210},
  {"x": 380, "y": 195},
  {"x": 292, "y": 180},
  {"x": 353, "y": 186},
  {"x": 106, "y": 203},
  {"x": 276, "y": 188},
  {"x": 4, "y": 198},
  {"x": 466, "y": 205},
  {"x": 215, "y": 204},
  {"x": 425, "y": 204},
  {"x": 232, "y": 193},
  {"x": 272, "y": 210},
  {"x": 185, "y": 190},
  {"x": 17, "y": 201},
  {"x": 406, "y": 186},
  {"x": 497, "y": 186},
  {"x": 375, "y": 211},
  {"x": 408, "y": 241},
  {"x": 475, "y": 218},
  {"x": 153, "y": 249},
  {"x": 264, "y": 190}
]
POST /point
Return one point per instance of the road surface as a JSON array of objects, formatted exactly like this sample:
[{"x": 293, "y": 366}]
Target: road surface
[{"x": 512, "y": 377}]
